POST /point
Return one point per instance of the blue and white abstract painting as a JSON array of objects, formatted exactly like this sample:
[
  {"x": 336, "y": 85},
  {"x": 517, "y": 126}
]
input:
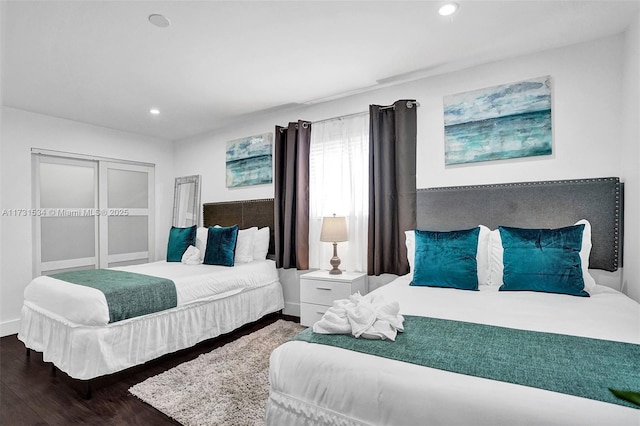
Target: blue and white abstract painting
[
  {"x": 249, "y": 161},
  {"x": 500, "y": 122}
]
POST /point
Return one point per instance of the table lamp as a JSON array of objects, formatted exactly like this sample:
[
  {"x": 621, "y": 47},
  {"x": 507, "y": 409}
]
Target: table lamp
[{"x": 334, "y": 230}]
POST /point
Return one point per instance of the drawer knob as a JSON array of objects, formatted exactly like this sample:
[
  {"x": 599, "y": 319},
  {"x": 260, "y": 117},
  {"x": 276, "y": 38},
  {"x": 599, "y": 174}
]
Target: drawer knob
[{"x": 323, "y": 288}]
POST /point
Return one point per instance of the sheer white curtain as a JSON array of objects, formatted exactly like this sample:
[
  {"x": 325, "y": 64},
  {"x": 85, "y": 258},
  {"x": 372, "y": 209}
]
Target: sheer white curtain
[{"x": 339, "y": 184}]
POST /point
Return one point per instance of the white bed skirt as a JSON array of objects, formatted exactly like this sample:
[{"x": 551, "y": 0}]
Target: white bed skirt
[{"x": 87, "y": 352}]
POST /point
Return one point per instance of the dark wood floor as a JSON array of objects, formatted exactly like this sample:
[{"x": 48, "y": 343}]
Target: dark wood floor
[{"x": 31, "y": 395}]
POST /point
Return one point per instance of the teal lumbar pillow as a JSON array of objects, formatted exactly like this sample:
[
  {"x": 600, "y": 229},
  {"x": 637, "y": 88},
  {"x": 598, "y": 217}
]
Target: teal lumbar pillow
[
  {"x": 544, "y": 260},
  {"x": 446, "y": 259},
  {"x": 221, "y": 245},
  {"x": 179, "y": 241}
]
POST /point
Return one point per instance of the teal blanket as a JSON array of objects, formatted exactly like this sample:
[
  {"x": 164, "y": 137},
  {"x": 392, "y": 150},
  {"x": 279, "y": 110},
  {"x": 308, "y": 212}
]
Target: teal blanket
[
  {"x": 572, "y": 365},
  {"x": 128, "y": 294}
]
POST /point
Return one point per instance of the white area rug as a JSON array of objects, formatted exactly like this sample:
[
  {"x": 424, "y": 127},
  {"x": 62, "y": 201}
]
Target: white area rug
[{"x": 228, "y": 386}]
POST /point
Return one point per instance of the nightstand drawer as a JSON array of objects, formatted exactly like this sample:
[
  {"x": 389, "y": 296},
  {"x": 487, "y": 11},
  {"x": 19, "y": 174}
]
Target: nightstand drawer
[
  {"x": 322, "y": 292},
  {"x": 310, "y": 313}
]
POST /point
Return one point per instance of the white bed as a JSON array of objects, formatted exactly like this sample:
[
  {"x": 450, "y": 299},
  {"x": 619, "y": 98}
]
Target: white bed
[
  {"x": 317, "y": 384},
  {"x": 70, "y": 323}
]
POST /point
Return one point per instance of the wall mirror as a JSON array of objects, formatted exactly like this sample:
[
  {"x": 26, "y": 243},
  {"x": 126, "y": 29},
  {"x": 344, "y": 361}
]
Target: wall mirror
[{"x": 186, "y": 201}]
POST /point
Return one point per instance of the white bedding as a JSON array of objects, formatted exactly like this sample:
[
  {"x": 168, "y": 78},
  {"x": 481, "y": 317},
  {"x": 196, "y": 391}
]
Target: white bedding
[
  {"x": 209, "y": 305},
  {"x": 318, "y": 384},
  {"x": 79, "y": 304}
]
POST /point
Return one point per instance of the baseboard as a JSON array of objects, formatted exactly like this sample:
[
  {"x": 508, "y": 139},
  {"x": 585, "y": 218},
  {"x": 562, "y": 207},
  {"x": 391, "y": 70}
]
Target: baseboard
[
  {"x": 12, "y": 327},
  {"x": 292, "y": 309}
]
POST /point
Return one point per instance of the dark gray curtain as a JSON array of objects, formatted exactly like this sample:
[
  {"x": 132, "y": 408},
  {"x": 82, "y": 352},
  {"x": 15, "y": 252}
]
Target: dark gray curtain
[
  {"x": 291, "y": 198},
  {"x": 392, "y": 186}
]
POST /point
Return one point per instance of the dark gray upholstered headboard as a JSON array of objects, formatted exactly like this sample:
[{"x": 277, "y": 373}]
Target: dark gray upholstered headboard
[
  {"x": 246, "y": 214},
  {"x": 547, "y": 204}
]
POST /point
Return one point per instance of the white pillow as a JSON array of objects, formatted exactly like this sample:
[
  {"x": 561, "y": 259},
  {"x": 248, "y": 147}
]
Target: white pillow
[
  {"x": 497, "y": 252},
  {"x": 244, "y": 245},
  {"x": 495, "y": 258},
  {"x": 482, "y": 254},
  {"x": 585, "y": 252},
  {"x": 261, "y": 243},
  {"x": 202, "y": 235},
  {"x": 410, "y": 242}
]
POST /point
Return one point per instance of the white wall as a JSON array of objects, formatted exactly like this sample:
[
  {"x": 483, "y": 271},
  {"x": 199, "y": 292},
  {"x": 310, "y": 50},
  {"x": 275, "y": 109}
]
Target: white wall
[
  {"x": 587, "y": 90},
  {"x": 587, "y": 125},
  {"x": 23, "y": 130},
  {"x": 2, "y": 23},
  {"x": 631, "y": 159}
]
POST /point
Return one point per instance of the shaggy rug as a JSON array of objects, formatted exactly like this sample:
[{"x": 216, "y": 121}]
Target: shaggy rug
[{"x": 228, "y": 386}]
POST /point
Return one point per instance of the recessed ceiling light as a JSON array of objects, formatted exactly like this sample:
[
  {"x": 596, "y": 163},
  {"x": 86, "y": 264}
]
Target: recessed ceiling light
[
  {"x": 154, "y": 111},
  {"x": 448, "y": 9},
  {"x": 159, "y": 20}
]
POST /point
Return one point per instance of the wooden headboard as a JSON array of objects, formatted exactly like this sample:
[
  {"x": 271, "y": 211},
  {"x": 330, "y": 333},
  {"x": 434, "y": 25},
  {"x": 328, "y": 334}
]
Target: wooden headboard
[
  {"x": 546, "y": 204},
  {"x": 245, "y": 214}
]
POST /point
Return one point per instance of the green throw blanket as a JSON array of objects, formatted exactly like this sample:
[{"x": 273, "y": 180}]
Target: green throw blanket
[
  {"x": 128, "y": 294},
  {"x": 572, "y": 365}
]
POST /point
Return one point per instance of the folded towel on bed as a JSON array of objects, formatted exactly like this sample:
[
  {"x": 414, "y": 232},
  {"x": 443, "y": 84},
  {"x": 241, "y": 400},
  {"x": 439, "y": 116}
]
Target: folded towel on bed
[
  {"x": 369, "y": 317},
  {"x": 192, "y": 256}
]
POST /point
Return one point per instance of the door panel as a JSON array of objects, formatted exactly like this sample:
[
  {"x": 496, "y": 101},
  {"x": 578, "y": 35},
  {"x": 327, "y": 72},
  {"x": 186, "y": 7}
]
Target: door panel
[
  {"x": 66, "y": 233},
  {"x": 127, "y": 228}
]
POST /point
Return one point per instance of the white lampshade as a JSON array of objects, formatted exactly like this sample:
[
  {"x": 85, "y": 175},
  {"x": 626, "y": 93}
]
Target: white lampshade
[{"x": 334, "y": 229}]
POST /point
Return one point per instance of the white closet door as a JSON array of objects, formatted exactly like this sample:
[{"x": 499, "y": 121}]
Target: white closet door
[
  {"x": 65, "y": 226},
  {"x": 126, "y": 214}
]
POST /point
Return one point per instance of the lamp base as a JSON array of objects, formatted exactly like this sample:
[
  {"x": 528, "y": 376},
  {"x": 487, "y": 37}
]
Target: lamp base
[
  {"x": 335, "y": 261},
  {"x": 335, "y": 271}
]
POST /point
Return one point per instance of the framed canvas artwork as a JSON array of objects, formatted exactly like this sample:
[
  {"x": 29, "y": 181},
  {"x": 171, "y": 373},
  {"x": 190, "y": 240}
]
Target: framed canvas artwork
[
  {"x": 249, "y": 160},
  {"x": 500, "y": 122}
]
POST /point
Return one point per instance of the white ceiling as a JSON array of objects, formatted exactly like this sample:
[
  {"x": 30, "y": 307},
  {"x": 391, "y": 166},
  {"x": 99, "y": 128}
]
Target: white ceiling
[{"x": 102, "y": 62}]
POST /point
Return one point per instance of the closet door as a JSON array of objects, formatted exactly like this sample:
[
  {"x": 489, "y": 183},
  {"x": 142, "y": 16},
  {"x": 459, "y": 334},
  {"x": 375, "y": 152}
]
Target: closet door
[
  {"x": 126, "y": 213},
  {"x": 65, "y": 226}
]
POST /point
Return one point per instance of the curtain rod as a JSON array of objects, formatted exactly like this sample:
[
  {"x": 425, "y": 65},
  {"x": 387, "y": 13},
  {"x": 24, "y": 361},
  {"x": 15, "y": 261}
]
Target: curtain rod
[
  {"x": 355, "y": 114},
  {"x": 305, "y": 124},
  {"x": 410, "y": 104}
]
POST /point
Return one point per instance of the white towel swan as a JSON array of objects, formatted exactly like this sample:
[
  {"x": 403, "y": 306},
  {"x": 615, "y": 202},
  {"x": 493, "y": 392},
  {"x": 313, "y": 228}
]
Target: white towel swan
[{"x": 369, "y": 317}]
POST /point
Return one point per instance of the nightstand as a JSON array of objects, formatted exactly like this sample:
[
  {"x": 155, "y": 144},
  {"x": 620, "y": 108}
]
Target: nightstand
[{"x": 318, "y": 290}]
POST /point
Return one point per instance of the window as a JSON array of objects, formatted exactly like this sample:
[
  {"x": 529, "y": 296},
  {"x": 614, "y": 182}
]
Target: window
[{"x": 339, "y": 184}]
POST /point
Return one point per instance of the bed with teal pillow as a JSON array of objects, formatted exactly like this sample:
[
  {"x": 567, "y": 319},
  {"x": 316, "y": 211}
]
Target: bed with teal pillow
[
  {"x": 446, "y": 259},
  {"x": 179, "y": 241},
  {"x": 543, "y": 260},
  {"x": 221, "y": 245}
]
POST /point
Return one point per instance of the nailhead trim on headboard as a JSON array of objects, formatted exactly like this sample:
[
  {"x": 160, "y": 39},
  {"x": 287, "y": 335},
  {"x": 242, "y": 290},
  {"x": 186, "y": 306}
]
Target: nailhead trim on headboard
[
  {"x": 512, "y": 184},
  {"x": 614, "y": 218}
]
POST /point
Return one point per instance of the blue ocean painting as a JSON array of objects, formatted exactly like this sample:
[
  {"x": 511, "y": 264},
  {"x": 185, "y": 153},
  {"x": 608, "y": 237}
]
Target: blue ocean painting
[
  {"x": 249, "y": 161},
  {"x": 496, "y": 123}
]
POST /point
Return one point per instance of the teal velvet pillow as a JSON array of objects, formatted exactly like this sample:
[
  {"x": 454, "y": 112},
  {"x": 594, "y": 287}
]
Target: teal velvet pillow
[
  {"x": 446, "y": 259},
  {"x": 179, "y": 241},
  {"x": 221, "y": 245},
  {"x": 545, "y": 260}
]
